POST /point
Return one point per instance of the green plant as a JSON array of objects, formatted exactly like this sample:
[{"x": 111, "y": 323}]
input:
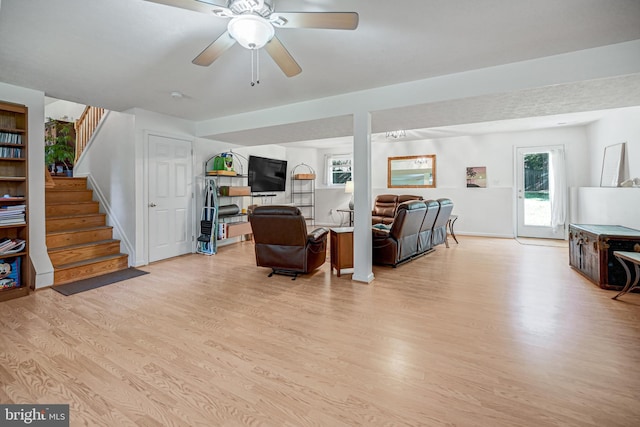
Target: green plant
[{"x": 58, "y": 149}]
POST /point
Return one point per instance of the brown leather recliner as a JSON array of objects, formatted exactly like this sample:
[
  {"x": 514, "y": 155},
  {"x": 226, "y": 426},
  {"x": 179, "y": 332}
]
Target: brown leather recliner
[
  {"x": 282, "y": 242},
  {"x": 385, "y": 205},
  {"x": 407, "y": 197},
  {"x": 384, "y": 209},
  {"x": 400, "y": 243}
]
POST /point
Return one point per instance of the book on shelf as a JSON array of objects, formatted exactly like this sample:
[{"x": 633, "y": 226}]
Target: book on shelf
[
  {"x": 10, "y": 138},
  {"x": 13, "y": 222},
  {"x": 11, "y": 245},
  {"x": 11, "y": 152},
  {"x": 12, "y": 218},
  {"x": 9, "y": 213},
  {"x": 12, "y": 208},
  {"x": 8, "y": 121},
  {"x": 12, "y": 215}
]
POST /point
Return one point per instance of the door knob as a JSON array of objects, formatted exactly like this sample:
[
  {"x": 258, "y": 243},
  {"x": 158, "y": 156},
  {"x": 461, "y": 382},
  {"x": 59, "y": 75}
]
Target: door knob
[{"x": 152, "y": 205}]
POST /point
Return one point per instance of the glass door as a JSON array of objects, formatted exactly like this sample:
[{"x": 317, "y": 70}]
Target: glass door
[{"x": 541, "y": 192}]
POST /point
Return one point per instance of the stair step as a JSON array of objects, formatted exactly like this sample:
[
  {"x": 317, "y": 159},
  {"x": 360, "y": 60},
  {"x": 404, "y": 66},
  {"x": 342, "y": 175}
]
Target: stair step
[
  {"x": 79, "y": 242},
  {"x": 58, "y": 196},
  {"x": 94, "y": 267},
  {"x": 77, "y": 208},
  {"x": 83, "y": 251},
  {"x": 56, "y": 239},
  {"x": 70, "y": 183},
  {"x": 74, "y": 222}
]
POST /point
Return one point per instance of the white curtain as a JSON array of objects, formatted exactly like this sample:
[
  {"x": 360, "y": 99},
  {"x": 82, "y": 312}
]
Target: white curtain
[
  {"x": 557, "y": 188},
  {"x": 327, "y": 169}
]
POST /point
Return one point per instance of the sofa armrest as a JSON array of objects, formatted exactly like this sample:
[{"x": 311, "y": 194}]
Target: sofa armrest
[
  {"x": 317, "y": 235},
  {"x": 379, "y": 234}
]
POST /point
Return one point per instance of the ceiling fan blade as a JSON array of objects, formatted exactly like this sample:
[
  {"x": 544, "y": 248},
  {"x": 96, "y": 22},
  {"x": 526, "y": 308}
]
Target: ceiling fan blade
[
  {"x": 202, "y": 6},
  {"x": 282, "y": 57},
  {"x": 214, "y": 50},
  {"x": 329, "y": 20}
]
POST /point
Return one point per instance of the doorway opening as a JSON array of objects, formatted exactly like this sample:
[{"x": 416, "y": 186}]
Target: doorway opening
[{"x": 541, "y": 192}]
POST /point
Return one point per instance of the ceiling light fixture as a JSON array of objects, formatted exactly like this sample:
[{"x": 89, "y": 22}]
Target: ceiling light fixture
[
  {"x": 396, "y": 134},
  {"x": 251, "y": 31}
]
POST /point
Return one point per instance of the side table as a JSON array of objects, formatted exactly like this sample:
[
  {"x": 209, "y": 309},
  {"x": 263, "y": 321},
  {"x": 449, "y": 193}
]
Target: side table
[
  {"x": 341, "y": 242},
  {"x": 634, "y": 258},
  {"x": 350, "y": 212},
  {"x": 452, "y": 220}
]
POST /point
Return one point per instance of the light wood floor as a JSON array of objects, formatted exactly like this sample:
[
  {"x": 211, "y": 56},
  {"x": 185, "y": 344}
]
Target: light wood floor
[{"x": 487, "y": 333}]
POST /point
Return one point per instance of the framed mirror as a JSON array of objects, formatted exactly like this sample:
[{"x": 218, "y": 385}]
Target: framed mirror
[
  {"x": 612, "y": 165},
  {"x": 412, "y": 171}
]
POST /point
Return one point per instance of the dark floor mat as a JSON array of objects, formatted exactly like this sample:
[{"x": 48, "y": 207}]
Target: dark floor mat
[{"x": 97, "y": 282}]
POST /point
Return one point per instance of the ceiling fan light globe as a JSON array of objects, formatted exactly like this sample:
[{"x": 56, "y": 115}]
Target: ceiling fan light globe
[{"x": 251, "y": 31}]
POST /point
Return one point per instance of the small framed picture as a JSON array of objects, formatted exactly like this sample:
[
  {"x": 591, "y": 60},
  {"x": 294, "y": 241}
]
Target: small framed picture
[{"x": 477, "y": 177}]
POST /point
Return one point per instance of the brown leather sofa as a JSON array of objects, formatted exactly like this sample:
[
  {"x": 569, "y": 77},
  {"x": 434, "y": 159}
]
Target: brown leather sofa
[
  {"x": 439, "y": 233},
  {"x": 400, "y": 243},
  {"x": 385, "y": 205},
  {"x": 282, "y": 242},
  {"x": 425, "y": 242}
]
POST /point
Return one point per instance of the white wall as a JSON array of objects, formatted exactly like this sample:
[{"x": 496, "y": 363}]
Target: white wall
[
  {"x": 482, "y": 211},
  {"x": 619, "y": 125},
  {"x": 329, "y": 199},
  {"x": 64, "y": 110},
  {"x": 34, "y": 100},
  {"x": 608, "y": 206},
  {"x": 109, "y": 163},
  {"x": 612, "y": 206},
  {"x": 204, "y": 149},
  {"x": 273, "y": 152},
  {"x": 147, "y": 122}
]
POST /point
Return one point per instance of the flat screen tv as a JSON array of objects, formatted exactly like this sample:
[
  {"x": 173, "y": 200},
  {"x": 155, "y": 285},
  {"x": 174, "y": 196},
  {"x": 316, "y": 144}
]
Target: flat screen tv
[{"x": 267, "y": 174}]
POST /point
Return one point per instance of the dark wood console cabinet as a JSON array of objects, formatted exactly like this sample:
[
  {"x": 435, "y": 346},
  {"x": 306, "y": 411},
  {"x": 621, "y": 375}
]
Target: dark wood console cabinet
[{"x": 591, "y": 250}]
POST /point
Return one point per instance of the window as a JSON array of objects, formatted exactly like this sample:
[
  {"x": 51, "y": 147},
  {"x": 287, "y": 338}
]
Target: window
[{"x": 338, "y": 169}]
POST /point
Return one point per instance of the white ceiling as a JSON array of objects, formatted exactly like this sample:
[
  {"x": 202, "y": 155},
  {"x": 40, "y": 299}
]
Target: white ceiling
[{"x": 121, "y": 54}]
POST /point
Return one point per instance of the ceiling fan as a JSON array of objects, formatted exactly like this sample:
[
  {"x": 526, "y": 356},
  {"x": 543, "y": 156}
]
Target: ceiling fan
[{"x": 252, "y": 24}]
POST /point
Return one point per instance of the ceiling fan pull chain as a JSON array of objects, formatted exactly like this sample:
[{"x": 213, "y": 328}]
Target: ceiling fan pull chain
[
  {"x": 253, "y": 80},
  {"x": 257, "y": 66}
]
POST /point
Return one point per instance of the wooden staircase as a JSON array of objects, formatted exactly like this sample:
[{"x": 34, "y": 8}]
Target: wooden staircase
[{"x": 79, "y": 242}]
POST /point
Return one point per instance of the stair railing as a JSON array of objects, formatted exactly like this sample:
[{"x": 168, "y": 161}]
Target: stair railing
[{"x": 85, "y": 126}]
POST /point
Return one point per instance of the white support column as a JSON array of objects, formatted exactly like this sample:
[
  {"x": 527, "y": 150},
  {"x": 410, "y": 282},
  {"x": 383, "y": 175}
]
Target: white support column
[{"x": 362, "y": 197}]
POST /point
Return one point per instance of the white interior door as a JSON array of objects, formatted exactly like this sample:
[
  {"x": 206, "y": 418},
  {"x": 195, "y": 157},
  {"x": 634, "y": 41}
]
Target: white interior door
[
  {"x": 170, "y": 197},
  {"x": 535, "y": 194}
]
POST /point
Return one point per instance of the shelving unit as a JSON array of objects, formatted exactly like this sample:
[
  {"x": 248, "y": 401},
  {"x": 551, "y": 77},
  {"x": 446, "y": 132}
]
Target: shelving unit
[
  {"x": 223, "y": 189},
  {"x": 234, "y": 224},
  {"x": 14, "y": 263},
  {"x": 303, "y": 190}
]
